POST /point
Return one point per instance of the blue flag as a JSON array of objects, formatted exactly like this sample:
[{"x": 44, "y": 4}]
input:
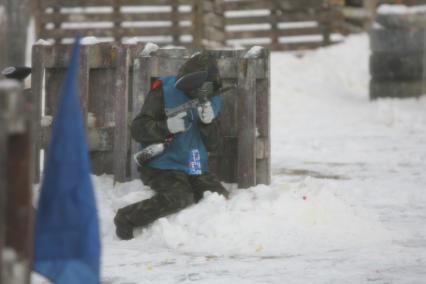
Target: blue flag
[{"x": 66, "y": 237}]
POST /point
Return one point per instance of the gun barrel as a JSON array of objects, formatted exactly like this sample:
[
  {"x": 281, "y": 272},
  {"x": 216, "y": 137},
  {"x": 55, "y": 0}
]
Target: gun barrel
[{"x": 181, "y": 108}]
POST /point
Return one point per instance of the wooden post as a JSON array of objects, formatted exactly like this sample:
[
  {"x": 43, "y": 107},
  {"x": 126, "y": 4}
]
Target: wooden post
[
  {"x": 19, "y": 212},
  {"x": 117, "y": 20},
  {"x": 263, "y": 120},
  {"x": 141, "y": 86},
  {"x": 197, "y": 23},
  {"x": 246, "y": 123},
  {"x": 37, "y": 83},
  {"x": 424, "y": 61},
  {"x": 3, "y": 172},
  {"x": 275, "y": 14},
  {"x": 83, "y": 81},
  {"x": 121, "y": 137},
  {"x": 175, "y": 22}
]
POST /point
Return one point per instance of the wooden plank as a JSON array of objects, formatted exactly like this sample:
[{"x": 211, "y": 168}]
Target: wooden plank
[
  {"x": 247, "y": 5},
  {"x": 290, "y": 46},
  {"x": 227, "y": 156},
  {"x": 103, "y": 3},
  {"x": 3, "y": 169},
  {"x": 197, "y": 22},
  {"x": 112, "y": 32},
  {"x": 19, "y": 226},
  {"x": 141, "y": 87},
  {"x": 37, "y": 82},
  {"x": 174, "y": 17},
  {"x": 122, "y": 17},
  {"x": 247, "y": 124},
  {"x": 98, "y": 139},
  {"x": 18, "y": 190},
  {"x": 163, "y": 66},
  {"x": 263, "y": 122},
  {"x": 281, "y": 18},
  {"x": 83, "y": 81},
  {"x": 53, "y": 83},
  {"x": 121, "y": 133},
  {"x": 101, "y": 99},
  {"x": 266, "y": 33}
]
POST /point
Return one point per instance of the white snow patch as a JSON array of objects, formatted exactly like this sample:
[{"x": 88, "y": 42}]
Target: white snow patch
[
  {"x": 254, "y": 52},
  {"x": 401, "y": 9},
  {"x": 46, "y": 120},
  {"x": 89, "y": 40},
  {"x": 149, "y": 48},
  {"x": 43, "y": 42},
  {"x": 309, "y": 217}
]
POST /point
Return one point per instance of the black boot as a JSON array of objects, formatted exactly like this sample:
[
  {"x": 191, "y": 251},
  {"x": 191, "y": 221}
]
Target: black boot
[{"x": 123, "y": 227}]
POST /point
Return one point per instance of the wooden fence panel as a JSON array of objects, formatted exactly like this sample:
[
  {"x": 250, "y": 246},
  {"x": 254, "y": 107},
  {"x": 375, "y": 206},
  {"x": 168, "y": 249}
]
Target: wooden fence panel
[
  {"x": 104, "y": 74},
  {"x": 171, "y": 22},
  {"x": 280, "y": 25},
  {"x": 200, "y": 23}
]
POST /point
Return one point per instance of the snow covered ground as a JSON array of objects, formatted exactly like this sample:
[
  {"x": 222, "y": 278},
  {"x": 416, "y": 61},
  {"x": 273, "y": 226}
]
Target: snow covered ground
[{"x": 347, "y": 202}]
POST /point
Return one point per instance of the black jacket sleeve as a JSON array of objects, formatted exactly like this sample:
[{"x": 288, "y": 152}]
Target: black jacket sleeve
[
  {"x": 210, "y": 134},
  {"x": 150, "y": 125}
]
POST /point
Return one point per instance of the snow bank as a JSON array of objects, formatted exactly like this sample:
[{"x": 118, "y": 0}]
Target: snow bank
[{"x": 278, "y": 220}]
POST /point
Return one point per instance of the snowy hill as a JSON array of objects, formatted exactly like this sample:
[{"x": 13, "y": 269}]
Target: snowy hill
[{"x": 346, "y": 203}]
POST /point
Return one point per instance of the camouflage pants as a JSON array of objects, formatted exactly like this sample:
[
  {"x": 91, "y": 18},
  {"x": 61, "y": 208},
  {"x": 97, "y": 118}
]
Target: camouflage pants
[{"x": 175, "y": 191}]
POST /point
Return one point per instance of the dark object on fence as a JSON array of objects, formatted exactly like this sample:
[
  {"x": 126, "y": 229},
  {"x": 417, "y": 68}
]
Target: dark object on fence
[
  {"x": 398, "y": 56},
  {"x": 244, "y": 153},
  {"x": 15, "y": 183},
  {"x": 16, "y": 72}
]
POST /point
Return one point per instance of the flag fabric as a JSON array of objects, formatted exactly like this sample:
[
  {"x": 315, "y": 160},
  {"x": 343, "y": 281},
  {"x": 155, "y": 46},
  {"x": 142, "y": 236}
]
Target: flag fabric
[{"x": 66, "y": 237}]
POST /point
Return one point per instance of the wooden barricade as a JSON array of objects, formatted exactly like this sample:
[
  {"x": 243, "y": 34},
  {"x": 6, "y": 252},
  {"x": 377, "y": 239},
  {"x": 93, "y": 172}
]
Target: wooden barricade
[
  {"x": 281, "y": 25},
  {"x": 244, "y": 154},
  {"x": 104, "y": 76},
  {"x": 177, "y": 22},
  {"x": 15, "y": 184},
  {"x": 112, "y": 90}
]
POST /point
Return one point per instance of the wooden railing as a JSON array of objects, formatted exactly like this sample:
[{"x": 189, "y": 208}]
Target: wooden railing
[
  {"x": 280, "y": 25},
  {"x": 177, "y": 22},
  {"x": 15, "y": 184}
]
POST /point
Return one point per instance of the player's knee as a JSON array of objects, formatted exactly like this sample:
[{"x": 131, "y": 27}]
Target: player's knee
[{"x": 179, "y": 199}]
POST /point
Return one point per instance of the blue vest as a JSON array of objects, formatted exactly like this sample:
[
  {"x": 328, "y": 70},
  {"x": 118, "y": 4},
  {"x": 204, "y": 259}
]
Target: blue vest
[{"x": 187, "y": 152}]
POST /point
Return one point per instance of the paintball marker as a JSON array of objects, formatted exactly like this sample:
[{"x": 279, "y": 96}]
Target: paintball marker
[{"x": 193, "y": 82}]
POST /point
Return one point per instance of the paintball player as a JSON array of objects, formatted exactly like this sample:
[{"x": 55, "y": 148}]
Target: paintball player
[{"x": 179, "y": 174}]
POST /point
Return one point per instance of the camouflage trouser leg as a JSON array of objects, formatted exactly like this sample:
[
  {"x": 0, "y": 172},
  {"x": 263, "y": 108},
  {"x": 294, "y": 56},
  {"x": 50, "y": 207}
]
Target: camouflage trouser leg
[
  {"x": 206, "y": 182},
  {"x": 173, "y": 193},
  {"x": 175, "y": 190}
]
